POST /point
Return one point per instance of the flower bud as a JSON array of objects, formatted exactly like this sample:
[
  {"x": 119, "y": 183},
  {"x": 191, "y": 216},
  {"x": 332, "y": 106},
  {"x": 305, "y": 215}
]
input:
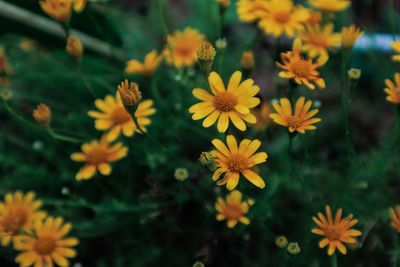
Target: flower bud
[
  {"x": 221, "y": 44},
  {"x": 281, "y": 241},
  {"x": 205, "y": 57},
  {"x": 247, "y": 61},
  {"x": 293, "y": 248},
  {"x": 181, "y": 174},
  {"x": 42, "y": 114},
  {"x": 130, "y": 94},
  {"x": 74, "y": 47},
  {"x": 207, "y": 159}
]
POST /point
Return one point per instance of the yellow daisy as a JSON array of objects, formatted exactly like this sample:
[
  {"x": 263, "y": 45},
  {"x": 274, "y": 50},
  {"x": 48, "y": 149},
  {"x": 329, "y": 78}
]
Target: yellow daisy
[
  {"x": 335, "y": 232},
  {"x": 18, "y": 212},
  {"x": 59, "y": 10},
  {"x": 350, "y": 35},
  {"x": 233, "y": 103},
  {"x": 147, "y": 68},
  {"x": 250, "y": 10},
  {"x": 184, "y": 45},
  {"x": 233, "y": 209},
  {"x": 395, "y": 218},
  {"x": 396, "y": 49},
  {"x": 393, "y": 89},
  {"x": 330, "y": 5},
  {"x": 319, "y": 39},
  {"x": 97, "y": 155},
  {"x": 283, "y": 17},
  {"x": 234, "y": 160},
  {"x": 302, "y": 71},
  {"x": 48, "y": 245},
  {"x": 302, "y": 118},
  {"x": 113, "y": 118}
]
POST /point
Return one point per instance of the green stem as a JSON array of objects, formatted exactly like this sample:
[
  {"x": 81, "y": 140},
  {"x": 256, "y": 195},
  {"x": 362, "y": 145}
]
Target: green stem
[
  {"x": 396, "y": 246},
  {"x": 61, "y": 137},
  {"x": 334, "y": 261},
  {"x": 160, "y": 5}
]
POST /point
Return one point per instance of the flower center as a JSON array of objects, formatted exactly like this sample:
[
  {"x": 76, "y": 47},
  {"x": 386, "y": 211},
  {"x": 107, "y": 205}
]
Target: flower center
[
  {"x": 318, "y": 40},
  {"x": 293, "y": 122},
  {"x": 282, "y": 17},
  {"x": 232, "y": 212},
  {"x": 120, "y": 116},
  {"x": 97, "y": 156},
  {"x": 14, "y": 220},
  {"x": 45, "y": 245},
  {"x": 185, "y": 50},
  {"x": 332, "y": 233},
  {"x": 237, "y": 163},
  {"x": 225, "y": 101},
  {"x": 301, "y": 68}
]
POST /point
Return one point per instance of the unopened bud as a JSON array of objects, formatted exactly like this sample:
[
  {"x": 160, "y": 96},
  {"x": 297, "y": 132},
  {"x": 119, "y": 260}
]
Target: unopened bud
[
  {"x": 42, "y": 114},
  {"x": 293, "y": 248},
  {"x": 205, "y": 57},
  {"x": 247, "y": 61},
  {"x": 130, "y": 93},
  {"x": 74, "y": 47},
  {"x": 281, "y": 241},
  {"x": 207, "y": 159}
]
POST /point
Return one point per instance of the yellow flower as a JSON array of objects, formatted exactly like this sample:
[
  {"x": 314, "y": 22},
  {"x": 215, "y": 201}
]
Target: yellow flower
[
  {"x": 148, "y": 67},
  {"x": 233, "y": 103},
  {"x": 250, "y": 10},
  {"x": 97, "y": 156},
  {"x": 262, "y": 115},
  {"x": 393, "y": 89},
  {"x": 234, "y": 160},
  {"x": 48, "y": 245},
  {"x": 79, "y": 5},
  {"x": 42, "y": 114},
  {"x": 300, "y": 121},
  {"x": 247, "y": 61},
  {"x": 283, "y": 17},
  {"x": 301, "y": 70},
  {"x": 396, "y": 49},
  {"x": 335, "y": 232},
  {"x": 59, "y": 10},
  {"x": 129, "y": 93},
  {"x": 350, "y": 36},
  {"x": 330, "y": 5},
  {"x": 74, "y": 47},
  {"x": 18, "y": 212},
  {"x": 395, "y": 217},
  {"x": 318, "y": 40},
  {"x": 114, "y": 119},
  {"x": 184, "y": 45},
  {"x": 232, "y": 209}
]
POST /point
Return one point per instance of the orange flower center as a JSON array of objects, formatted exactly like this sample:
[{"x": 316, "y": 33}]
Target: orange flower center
[
  {"x": 45, "y": 245},
  {"x": 232, "y": 212},
  {"x": 301, "y": 68},
  {"x": 282, "y": 17},
  {"x": 293, "y": 122},
  {"x": 120, "y": 116},
  {"x": 14, "y": 220},
  {"x": 185, "y": 50},
  {"x": 318, "y": 40},
  {"x": 237, "y": 163},
  {"x": 225, "y": 101},
  {"x": 97, "y": 156},
  {"x": 332, "y": 233}
]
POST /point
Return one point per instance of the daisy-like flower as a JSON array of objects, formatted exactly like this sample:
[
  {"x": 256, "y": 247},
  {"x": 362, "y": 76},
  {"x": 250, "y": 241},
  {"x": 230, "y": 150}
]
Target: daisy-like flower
[
  {"x": 330, "y": 6},
  {"x": 395, "y": 218},
  {"x": 232, "y": 209},
  {"x": 184, "y": 45},
  {"x": 59, "y": 10},
  {"x": 300, "y": 120},
  {"x": 283, "y": 17},
  {"x": 396, "y": 49},
  {"x": 18, "y": 212},
  {"x": 233, "y": 103},
  {"x": 318, "y": 40},
  {"x": 335, "y": 232},
  {"x": 302, "y": 71},
  {"x": 48, "y": 246},
  {"x": 147, "y": 68},
  {"x": 393, "y": 89},
  {"x": 113, "y": 118},
  {"x": 250, "y": 10},
  {"x": 350, "y": 35},
  {"x": 97, "y": 156},
  {"x": 233, "y": 160}
]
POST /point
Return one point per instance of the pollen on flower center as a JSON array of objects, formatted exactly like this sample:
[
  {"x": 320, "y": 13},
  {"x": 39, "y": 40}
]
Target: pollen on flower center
[
  {"x": 301, "y": 68},
  {"x": 332, "y": 234},
  {"x": 120, "y": 116},
  {"x": 232, "y": 212},
  {"x": 45, "y": 245},
  {"x": 225, "y": 102},
  {"x": 14, "y": 220},
  {"x": 293, "y": 122},
  {"x": 282, "y": 17},
  {"x": 184, "y": 50},
  {"x": 97, "y": 156},
  {"x": 237, "y": 163}
]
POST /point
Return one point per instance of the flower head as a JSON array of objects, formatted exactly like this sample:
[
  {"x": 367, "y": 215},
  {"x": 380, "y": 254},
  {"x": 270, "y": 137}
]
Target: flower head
[
  {"x": 222, "y": 104},
  {"x": 48, "y": 244},
  {"x": 148, "y": 67},
  {"x": 221, "y": 44},
  {"x": 250, "y": 10},
  {"x": 184, "y": 45},
  {"x": 205, "y": 52},
  {"x": 393, "y": 89},
  {"x": 283, "y": 17},
  {"x": 42, "y": 114},
  {"x": 350, "y": 35},
  {"x": 396, "y": 49},
  {"x": 18, "y": 212},
  {"x": 247, "y": 61},
  {"x": 281, "y": 241},
  {"x": 234, "y": 160},
  {"x": 232, "y": 209},
  {"x": 113, "y": 118},
  {"x": 97, "y": 156},
  {"x": 395, "y": 218},
  {"x": 303, "y": 71},
  {"x": 335, "y": 232},
  {"x": 130, "y": 93},
  {"x": 293, "y": 248},
  {"x": 59, "y": 10},
  {"x": 330, "y": 5},
  {"x": 319, "y": 39},
  {"x": 300, "y": 120},
  {"x": 181, "y": 174},
  {"x": 74, "y": 47},
  {"x": 6, "y": 94}
]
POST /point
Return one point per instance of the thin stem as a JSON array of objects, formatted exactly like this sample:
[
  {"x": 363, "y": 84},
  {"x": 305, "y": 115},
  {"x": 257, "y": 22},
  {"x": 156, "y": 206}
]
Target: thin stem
[
  {"x": 334, "y": 261},
  {"x": 160, "y": 5},
  {"x": 396, "y": 246},
  {"x": 62, "y": 137}
]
